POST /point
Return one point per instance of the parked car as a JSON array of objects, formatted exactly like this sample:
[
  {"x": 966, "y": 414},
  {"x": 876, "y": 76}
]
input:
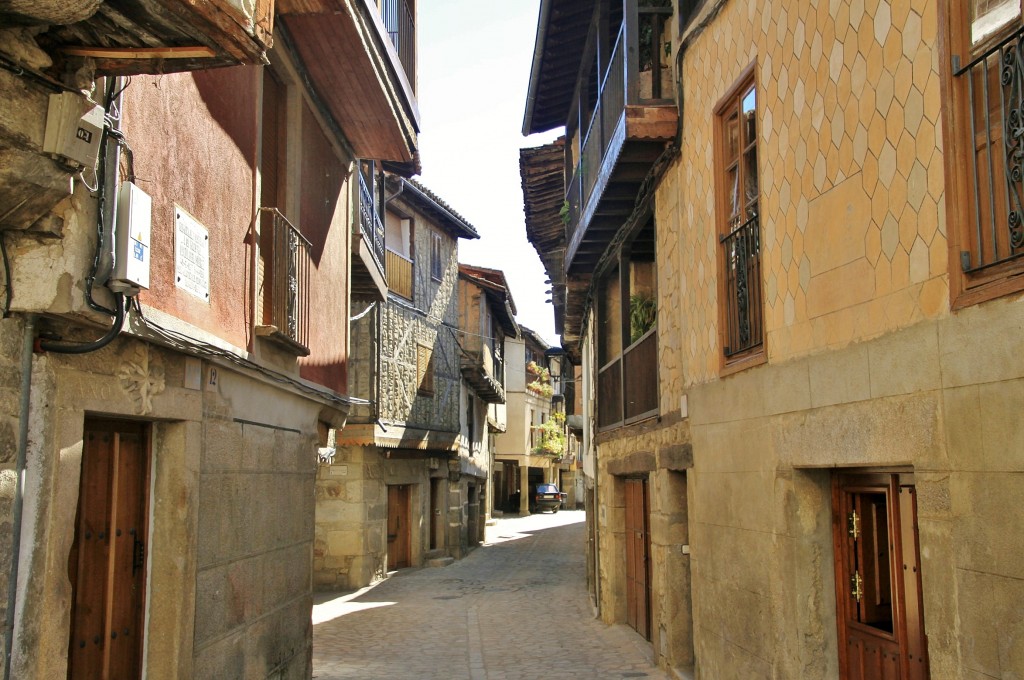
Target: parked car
[{"x": 547, "y": 497}]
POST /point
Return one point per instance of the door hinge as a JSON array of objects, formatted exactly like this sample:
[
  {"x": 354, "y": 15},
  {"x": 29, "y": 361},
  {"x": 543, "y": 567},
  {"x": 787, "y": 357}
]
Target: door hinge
[
  {"x": 855, "y": 585},
  {"x": 853, "y": 525},
  {"x": 965, "y": 260}
]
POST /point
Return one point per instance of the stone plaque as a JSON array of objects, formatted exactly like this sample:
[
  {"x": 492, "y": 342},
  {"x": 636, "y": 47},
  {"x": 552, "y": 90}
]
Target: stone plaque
[{"x": 191, "y": 255}]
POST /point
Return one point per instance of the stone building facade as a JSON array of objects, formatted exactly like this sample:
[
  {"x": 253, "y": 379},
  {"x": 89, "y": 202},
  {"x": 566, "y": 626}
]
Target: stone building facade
[
  {"x": 523, "y": 466},
  {"x": 161, "y": 426},
  {"x": 841, "y": 378},
  {"x": 404, "y": 485}
]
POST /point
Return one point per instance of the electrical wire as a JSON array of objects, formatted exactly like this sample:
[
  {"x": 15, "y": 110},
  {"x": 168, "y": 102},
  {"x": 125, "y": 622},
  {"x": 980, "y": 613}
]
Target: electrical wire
[
  {"x": 101, "y": 201},
  {"x": 188, "y": 345},
  {"x": 60, "y": 347}
]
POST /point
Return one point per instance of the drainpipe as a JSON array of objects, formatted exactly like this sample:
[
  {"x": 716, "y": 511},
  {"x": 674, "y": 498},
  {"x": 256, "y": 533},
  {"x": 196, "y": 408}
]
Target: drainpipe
[{"x": 19, "y": 488}]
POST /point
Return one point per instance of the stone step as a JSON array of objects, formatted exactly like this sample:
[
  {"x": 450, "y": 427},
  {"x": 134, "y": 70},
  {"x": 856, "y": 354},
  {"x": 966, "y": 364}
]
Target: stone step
[{"x": 440, "y": 561}]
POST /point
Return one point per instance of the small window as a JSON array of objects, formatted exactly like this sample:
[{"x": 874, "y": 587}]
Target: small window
[
  {"x": 436, "y": 257},
  {"x": 424, "y": 370}
]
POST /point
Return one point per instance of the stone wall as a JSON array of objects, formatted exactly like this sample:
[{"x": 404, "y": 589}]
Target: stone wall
[
  {"x": 867, "y": 367},
  {"x": 231, "y": 511},
  {"x": 658, "y": 450},
  {"x": 934, "y": 396},
  {"x": 350, "y": 550}
]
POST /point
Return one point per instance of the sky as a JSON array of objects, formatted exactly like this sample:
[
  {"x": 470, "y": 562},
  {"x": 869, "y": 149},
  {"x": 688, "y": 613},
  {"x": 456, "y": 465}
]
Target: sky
[{"x": 474, "y": 68}]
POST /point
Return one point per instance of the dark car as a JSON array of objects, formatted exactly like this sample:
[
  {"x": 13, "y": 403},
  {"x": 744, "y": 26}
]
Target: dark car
[{"x": 547, "y": 497}]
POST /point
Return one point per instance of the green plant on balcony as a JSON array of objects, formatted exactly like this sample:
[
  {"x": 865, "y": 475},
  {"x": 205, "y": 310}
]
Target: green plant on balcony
[
  {"x": 643, "y": 313},
  {"x": 550, "y": 436},
  {"x": 541, "y": 382}
]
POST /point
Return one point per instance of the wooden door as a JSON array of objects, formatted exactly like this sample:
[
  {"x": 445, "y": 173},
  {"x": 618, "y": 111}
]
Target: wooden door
[
  {"x": 107, "y": 564},
  {"x": 398, "y": 526},
  {"x": 638, "y": 592},
  {"x": 878, "y": 578},
  {"x": 435, "y": 513}
]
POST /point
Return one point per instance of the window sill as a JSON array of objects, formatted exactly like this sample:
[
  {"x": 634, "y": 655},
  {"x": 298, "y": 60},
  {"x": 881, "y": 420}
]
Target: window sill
[
  {"x": 273, "y": 335},
  {"x": 743, "y": 362},
  {"x": 1007, "y": 285}
]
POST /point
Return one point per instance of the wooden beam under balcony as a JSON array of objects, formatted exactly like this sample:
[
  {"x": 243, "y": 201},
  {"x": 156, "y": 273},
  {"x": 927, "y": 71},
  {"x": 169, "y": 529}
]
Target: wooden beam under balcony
[
  {"x": 353, "y": 66},
  {"x": 128, "y": 37}
]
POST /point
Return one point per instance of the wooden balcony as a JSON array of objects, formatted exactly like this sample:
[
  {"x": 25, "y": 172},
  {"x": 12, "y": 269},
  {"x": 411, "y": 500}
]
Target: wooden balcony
[
  {"x": 619, "y": 137},
  {"x": 127, "y": 37},
  {"x": 484, "y": 376}
]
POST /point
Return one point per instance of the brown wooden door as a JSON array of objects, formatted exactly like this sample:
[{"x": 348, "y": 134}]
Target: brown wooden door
[
  {"x": 638, "y": 592},
  {"x": 398, "y": 526},
  {"x": 107, "y": 564},
  {"x": 878, "y": 578}
]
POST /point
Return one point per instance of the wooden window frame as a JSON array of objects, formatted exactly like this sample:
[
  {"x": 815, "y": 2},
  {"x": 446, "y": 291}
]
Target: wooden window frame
[
  {"x": 424, "y": 370},
  {"x": 757, "y": 354},
  {"x": 966, "y": 288}
]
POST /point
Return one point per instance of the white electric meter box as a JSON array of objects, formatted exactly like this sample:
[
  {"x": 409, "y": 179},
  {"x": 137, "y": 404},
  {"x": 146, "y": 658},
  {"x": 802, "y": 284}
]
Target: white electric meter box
[
  {"x": 74, "y": 127},
  {"x": 132, "y": 224}
]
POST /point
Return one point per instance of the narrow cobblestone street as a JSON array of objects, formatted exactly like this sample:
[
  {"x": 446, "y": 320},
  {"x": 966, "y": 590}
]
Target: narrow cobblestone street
[{"x": 516, "y": 607}]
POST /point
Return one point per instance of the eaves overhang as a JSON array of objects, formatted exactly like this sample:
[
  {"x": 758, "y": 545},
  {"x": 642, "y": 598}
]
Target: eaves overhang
[
  {"x": 429, "y": 203},
  {"x": 492, "y": 282},
  {"x": 350, "y": 62},
  {"x": 562, "y": 27},
  {"x": 542, "y": 170}
]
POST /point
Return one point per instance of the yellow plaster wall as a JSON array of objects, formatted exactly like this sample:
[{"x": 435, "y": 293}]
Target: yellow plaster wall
[{"x": 851, "y": 187}]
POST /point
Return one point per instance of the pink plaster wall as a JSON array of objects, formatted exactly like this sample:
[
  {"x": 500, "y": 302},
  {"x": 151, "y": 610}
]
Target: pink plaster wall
[
  {"x": 323, "y": 219},
  {"x": 194, "y": 142}
]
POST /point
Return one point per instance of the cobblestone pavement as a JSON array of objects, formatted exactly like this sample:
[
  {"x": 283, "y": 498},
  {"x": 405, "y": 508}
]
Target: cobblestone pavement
[{"x": 517, "y": 607}]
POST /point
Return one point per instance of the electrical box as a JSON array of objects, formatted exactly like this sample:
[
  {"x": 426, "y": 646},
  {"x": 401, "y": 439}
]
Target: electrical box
[
  {"x": 131, "y": 240},
  {"x": 74, "y": 127}
]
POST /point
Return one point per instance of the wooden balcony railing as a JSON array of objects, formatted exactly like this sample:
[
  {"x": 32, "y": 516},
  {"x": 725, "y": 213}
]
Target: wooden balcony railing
[
  {"x": 370, "y": 224},
  {"x": 401, "y": 27},
  {"x": 399, "y": 272},
  {"x": 622, "y": 401},
  {"x": 287, "y": 267},
  {"x": 640, "y": 363}
]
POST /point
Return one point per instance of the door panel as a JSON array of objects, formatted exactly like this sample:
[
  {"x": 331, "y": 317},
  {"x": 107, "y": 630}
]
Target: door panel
[
  {"x": 107, "y": 561},
  {"x": 877, "y": 578},
  {"x": 398, "y": 526},
  {"x": 638, "y": 595}
]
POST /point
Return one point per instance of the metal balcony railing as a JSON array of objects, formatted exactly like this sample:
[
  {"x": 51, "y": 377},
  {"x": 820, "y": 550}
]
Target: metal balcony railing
[
  {"x": 744, "y": 311},
  {"x": 995, "y": 92},
  {"x": 370, "y": 224},
  {"x": 286, "y": 277},
  {"x": 633, "y": 76},
  {"x": 400, "y": 25}
]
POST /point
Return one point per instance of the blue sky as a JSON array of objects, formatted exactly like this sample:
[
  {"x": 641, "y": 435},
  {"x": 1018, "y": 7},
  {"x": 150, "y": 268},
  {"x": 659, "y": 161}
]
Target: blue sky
[{"x": 474, "y": 67}]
